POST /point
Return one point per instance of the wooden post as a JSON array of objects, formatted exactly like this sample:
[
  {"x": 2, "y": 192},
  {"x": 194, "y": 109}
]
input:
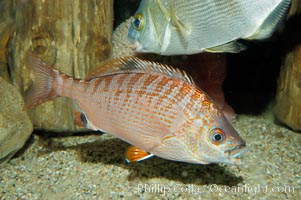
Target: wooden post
[
  {"x": 72, "y": 35},
  {"x": 295, "y": 8},
  {"x": 6, "y": 24},
  {"x": 288, "y": 96}
]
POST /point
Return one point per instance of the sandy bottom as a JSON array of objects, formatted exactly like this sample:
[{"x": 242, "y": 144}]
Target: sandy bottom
[{"x": 92, "y": 166}]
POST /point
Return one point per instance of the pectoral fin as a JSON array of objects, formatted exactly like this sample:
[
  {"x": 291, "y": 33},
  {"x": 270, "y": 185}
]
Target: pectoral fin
[
  {"x": 231, "y": 47},
  {"x": 175, "y": 21},
  {"x": 163, "y": 9},
  {"x": 135, "y": 154},
  {"x": 170, "y": 14}
]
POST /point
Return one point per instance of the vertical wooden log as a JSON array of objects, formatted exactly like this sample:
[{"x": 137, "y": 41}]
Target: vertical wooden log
[
  {"x": 72, "y": 35},
  {"x": 295, "y": 8},
  {"x": 6, "y": 24},
  {"x": 4, "y": 37},
  {"x": 288, "y": 96}
]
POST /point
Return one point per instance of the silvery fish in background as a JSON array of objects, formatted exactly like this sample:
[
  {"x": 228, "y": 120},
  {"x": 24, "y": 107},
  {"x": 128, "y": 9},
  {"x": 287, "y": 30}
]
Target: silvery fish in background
[
  {"x": 154, "y": 107},
  {"x": 173, "y": 27}
]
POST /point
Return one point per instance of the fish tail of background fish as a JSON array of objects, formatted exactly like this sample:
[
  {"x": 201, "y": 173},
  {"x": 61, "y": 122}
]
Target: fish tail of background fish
[{"x": 48, "y": 83}]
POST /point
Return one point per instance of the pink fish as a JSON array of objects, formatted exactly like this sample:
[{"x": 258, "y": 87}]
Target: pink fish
[{"x": 152, "y": 106}]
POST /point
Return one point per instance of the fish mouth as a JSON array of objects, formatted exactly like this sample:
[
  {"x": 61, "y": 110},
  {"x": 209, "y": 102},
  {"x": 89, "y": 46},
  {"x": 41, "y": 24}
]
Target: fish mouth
[{"x": 236, "y": 152}]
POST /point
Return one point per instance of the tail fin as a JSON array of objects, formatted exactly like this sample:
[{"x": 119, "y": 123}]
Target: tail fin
[{"x": 42, "y": 88}]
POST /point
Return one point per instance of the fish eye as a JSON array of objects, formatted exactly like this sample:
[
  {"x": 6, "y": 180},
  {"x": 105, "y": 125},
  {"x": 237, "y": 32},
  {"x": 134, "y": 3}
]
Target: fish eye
[
  {"x": 138, "y": 22},
  {"x": 217, "y": 136}
]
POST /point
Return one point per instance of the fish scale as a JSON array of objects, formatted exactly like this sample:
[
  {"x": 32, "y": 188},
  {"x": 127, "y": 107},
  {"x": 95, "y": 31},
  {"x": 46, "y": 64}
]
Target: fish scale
[
  {"x": 154, "y": 107},
  {"x": 136, "y": 84},
  {"x": 134, "y": 81}
]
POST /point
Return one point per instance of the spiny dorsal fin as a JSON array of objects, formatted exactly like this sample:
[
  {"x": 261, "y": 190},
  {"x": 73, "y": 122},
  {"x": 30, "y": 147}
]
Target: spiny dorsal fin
[
  {"x": 107, "y": 66},
  {"x": 136, "y": 65}
]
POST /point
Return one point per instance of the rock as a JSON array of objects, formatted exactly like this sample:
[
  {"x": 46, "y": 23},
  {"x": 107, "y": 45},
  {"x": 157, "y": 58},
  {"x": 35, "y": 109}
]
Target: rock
[{"x": 15, "y": 125}]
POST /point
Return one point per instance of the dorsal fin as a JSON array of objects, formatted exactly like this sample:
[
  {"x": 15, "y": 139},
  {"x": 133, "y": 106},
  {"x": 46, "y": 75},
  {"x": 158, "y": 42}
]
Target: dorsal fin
[
  {"x": 136, "y": 65},
  {"x": 106, "y": 67}
]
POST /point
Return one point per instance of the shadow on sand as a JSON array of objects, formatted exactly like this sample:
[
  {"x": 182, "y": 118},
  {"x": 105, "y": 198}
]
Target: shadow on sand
[{"x": 111, "y": 152}]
